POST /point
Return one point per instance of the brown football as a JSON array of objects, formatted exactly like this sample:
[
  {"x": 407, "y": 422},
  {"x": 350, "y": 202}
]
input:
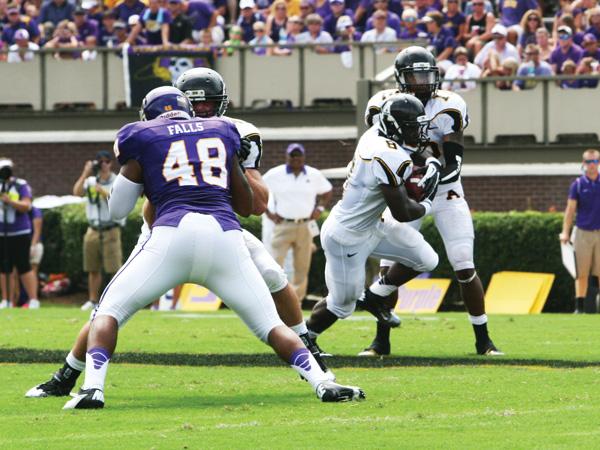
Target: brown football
[{"x": 414, "y": 191}]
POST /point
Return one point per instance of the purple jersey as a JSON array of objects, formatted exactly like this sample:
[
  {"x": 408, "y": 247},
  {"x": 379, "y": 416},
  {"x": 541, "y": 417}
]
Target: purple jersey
[
  {"x": 186, "y": 166},
  {"x": 88, "y": 28},
  {"x": 587, "y": 194},
  {"x": 200, "y": 13},
  {"x": 453, "y": 23},
  {"x": 124, "y": 11},
  {"x": 511, "y": 11},
  {"x": 558, "y": 57},
  {"x": 12, "y": 222}
]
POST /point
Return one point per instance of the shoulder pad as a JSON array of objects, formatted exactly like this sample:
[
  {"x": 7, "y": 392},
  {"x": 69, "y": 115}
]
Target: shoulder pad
[
  {"x": 375, "y": 103},
  {"x": 452, "y": 104},
  {"x": 250, "y": 132}
]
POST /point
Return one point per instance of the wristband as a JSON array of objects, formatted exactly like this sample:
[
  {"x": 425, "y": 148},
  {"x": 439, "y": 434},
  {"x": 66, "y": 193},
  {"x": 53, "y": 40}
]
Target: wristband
[
  {"x": 427, "y": 205},
  {"x": 432, "y": 160}
]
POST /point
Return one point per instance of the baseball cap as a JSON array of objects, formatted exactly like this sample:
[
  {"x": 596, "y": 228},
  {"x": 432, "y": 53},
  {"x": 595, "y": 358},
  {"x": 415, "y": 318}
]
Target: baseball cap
[
  {"x": 79, "y": 11},
  {"x": 336, "y": 1},
  {"x": 565, "y": 29},
  {"x": 133, "y": 19},
  {"x": 499, "y": 29},
  {"x": 12, "y": 10},
  {"x": 247, "y": 4},
  {"x": 5, "y": 162},
  {"x": 21, "y": 33},
  {"x": 120, "y": 24},
  {"x": 295, "y": 146},
  {"x": 88, "y": 4},
  {"x": 589, "y": 37},
  {"x": 103, "y": 154},
  {"x": 175, "y": 1},
  {"x": 344, "y": 22}
]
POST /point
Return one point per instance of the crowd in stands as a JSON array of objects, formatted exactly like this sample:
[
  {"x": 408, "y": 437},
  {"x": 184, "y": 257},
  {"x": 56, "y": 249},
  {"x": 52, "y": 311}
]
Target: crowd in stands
[{"x": 470, "y": 38}]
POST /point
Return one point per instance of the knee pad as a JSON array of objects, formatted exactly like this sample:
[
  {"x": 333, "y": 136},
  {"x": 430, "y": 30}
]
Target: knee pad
[
  {"x": 429, "y": 261},
  {"x": 460, "y": 255},
  {"x": 275, "y": 278}
]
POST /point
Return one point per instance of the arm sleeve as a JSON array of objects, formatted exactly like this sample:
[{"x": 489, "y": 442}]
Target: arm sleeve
[
  {"x": 573, "y": 191},
  {"x": 391, "y": 168},
  {"x": 123, "y": 196}
]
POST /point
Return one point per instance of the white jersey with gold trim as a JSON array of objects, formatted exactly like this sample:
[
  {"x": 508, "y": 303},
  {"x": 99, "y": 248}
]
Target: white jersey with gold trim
[
  {"x": 377, "y": 161},
  {"x": 447, "y": 112},
  {"x": 250, "y": 132}
]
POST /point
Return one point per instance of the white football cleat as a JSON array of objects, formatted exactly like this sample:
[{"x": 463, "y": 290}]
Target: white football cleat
[
  {"x": 86, "y": 399},
  {"x": 34, "y": 304}
]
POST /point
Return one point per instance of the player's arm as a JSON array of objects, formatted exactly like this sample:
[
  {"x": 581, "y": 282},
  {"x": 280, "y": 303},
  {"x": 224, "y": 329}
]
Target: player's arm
[
  {"x": 242, "y": 198},
  {"x": 403, "y": 208},
  {"x": 453, "y": 148},
  {"x": 126, "y": 189},
  {"x": 260, "y": 191},
  {"x": 565, "y": 236}
]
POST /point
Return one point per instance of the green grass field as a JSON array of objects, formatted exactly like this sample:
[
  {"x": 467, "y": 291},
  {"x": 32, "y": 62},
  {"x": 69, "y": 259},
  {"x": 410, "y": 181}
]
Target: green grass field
[{"x": 188, "y": 381}]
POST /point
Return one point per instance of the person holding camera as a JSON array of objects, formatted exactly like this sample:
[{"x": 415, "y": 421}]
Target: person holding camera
[
  {"x": 102, "y": 241},
  {"x": 15, "y": 234}
]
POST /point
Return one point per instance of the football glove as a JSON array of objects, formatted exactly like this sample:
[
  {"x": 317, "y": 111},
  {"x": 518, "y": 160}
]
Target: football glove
[
  {"x": 244, "y": 150},
  {"x": 430, "y": 180}
]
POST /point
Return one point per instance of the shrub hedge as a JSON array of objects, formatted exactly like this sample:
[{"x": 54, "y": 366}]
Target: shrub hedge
[{"x": 522, "y": 241}]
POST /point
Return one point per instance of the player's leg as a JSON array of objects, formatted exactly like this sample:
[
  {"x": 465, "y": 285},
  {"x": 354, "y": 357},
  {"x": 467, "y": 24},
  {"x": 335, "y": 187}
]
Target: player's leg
[
  {"x": 455, "y": 225},
  {"x": 146, "y": 275},
  {"x": 286, "y": 301},
  {"x": 235, "y": 279},
  {"x": 344, "y": 276},
  {"x": 91, "y": 264}
]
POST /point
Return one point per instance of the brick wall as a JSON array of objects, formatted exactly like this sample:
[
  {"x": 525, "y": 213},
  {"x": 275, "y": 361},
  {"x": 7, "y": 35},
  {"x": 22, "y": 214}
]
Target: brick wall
[{"x": 53, "y": 168}]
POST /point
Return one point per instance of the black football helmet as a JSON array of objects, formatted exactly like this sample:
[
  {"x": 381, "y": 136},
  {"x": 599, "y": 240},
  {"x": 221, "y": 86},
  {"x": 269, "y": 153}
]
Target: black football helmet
[
  {"x": 202, "y": 84},
  {"x": 166, "y": 102},
  {"x": 403, "y": 120},
  {"x": 416, "y": 72}
]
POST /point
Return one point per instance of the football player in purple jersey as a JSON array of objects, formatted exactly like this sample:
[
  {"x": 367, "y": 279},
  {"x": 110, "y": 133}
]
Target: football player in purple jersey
[
  {"x": 212, "y": 102},
  {"x": 189, "y": 170}
]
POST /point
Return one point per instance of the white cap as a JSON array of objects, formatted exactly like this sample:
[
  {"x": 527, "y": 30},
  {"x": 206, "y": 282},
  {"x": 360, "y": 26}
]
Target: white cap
[
  {"x": 499, "y": 29},
  {"x": 247, "y": 4},
  {"x": 88, "y": 4},
  {"x": 6, "y": 163},
  {"x": 344, "y": 22},
  {"x": 133, "y": 19}
]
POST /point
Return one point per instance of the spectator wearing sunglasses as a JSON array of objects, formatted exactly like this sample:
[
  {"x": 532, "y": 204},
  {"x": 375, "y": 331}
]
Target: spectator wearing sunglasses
[
  {"x": 455, "y": 20},
  {"x": 590, "y": 47},
  {"x": 532, "y": 67},
  {"x": 409, "y": 29},
  {"x": 102, "y": 241},
  {"x": 479, "y": 27},
  {"x": 530, "y": 23},
  {"x": 511, "y": 12},
  {"x": 565, "y": 50},
  {"x": 583, "y": 207},
  {"x": 261, "y": 38}
]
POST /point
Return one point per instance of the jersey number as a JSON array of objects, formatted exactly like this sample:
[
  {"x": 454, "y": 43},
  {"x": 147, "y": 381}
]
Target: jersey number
[{"x": 213, "y": 159}]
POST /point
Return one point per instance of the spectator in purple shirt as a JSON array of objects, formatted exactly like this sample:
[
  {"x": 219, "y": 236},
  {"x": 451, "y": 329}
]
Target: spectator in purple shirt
[
  {"x": 409, "y": 28},
  {"x": 566, "y": 7},
  {"x": 455, "y": 20},
  {"x": 511, "y": 12},
  {"x": 590, "y": 47},
  {"x": 568, "y": 21},
  {"x": 322, "y": 8},
  {"x": 248, "y": 16},
  {"x": 587, "y": 66},
  {"x": 87, "y": 29},
  {"x": 15, "y": 233},
  {"x": 154, "y": 22},
  {"x": 337, "y": 10},
  {"x": 56, "y": 11},
  {"x": 565, "y": 50},
  {"x": 392, "y": 19},
  {"x": 129, "y": 8},
  {"x": 593, "y": 16},
  {"x": 202, "y": 15},
  {"x": 16, "y": 22},
  {"x": 423, "y": 7},
  {"x": 366, "y": 8},
  {"x": 530, "y": 23},
  {"x": 441, "y": 39},
  {"x": 107, "y": 36}
]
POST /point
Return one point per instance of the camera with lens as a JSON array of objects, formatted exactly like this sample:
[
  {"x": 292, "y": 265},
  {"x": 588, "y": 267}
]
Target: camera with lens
[{"x": 95, "y": 167}]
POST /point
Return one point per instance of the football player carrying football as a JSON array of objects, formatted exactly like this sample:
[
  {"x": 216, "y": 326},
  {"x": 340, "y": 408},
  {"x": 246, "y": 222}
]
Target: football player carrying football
[
  {"x": 354, "y": 229},
  {"x": 416, "y": 73}
]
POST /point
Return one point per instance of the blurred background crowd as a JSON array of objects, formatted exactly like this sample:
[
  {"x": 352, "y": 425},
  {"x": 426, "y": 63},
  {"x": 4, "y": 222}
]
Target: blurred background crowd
[{"x": 471, "y": 39}]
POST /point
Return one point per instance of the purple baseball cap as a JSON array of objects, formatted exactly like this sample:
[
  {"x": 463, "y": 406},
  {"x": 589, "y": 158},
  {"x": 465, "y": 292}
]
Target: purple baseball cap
[
  {"x": 295, "y": 146},
  {"x": 589, "y": 37}
]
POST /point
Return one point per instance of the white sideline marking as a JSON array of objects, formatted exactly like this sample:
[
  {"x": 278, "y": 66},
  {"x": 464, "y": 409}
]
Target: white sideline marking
[{"x": 234, "y": 316}]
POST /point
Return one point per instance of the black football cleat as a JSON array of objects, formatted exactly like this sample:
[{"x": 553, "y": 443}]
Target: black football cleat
[
  {"x": 375, "y": 305},
  {"x": 60, "y": 385},
  {"x": 375, "y": 350},
  {"x": 86, "y": 399},
  {"x": 333, "y": 392},
  {"x": 488, "y": 349}
]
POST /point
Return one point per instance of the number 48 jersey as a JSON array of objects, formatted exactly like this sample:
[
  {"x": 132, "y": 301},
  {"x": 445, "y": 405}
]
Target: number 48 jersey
[{"x": 186, "y": 166}]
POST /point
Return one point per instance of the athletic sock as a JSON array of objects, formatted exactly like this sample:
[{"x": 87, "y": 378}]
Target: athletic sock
[
  {"x": 73, "y": 367},
  {"x": 579, "y": 304},
  {"x": 382, "y": 287},
  {"x": 300, "y": 328},
  {"x": 303, "y": 362},
  {"x": 480, "y": 327},
  {"x": 383, "y": 334},
  {"x": 96, "y": 364}
]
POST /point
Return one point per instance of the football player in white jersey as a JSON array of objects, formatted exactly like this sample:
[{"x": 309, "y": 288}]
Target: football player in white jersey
[
  {"x": 416, "y": 73},
  {"x": 355, "y": 230},
  {"x": 212, "y": 102}
]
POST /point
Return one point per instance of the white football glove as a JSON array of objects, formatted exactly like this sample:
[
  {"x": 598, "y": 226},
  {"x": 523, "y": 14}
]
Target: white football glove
[{"x": 430, "y": 180}]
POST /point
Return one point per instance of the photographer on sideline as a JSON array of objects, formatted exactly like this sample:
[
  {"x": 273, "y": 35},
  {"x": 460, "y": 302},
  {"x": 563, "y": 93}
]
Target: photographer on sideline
[
  {"x": 584, "y": 199},
  {"x": 15, "y": 233},
  {"x": 102, "y": 241}
]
